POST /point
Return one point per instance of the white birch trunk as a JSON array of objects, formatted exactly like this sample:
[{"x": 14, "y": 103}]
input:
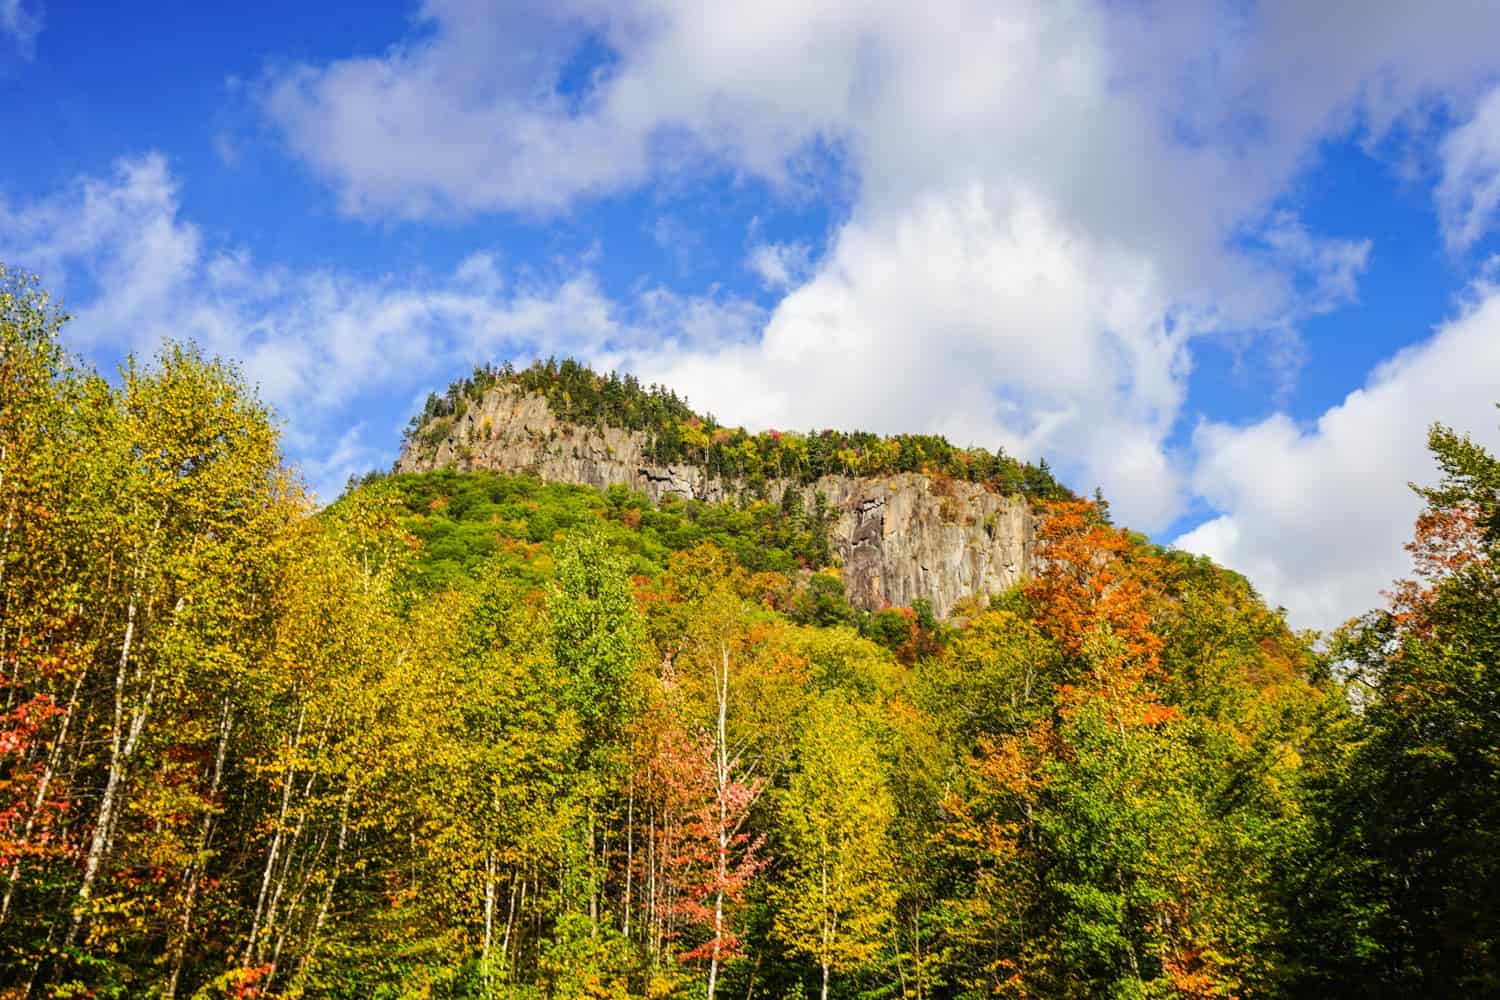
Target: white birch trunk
[
  {"x": 271, "y": 855},
  {"x": 489, "y": 919},
  {"x": 721, "y": 777},
  {"x": 629, "y": 853},
  {"x": 122, "y": 745},
  {"x": 195, "y": 866},
  {"x": 333, "y": 876}
]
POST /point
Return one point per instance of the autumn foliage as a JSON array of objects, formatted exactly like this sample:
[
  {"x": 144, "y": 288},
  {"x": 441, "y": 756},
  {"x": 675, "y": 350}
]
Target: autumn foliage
[{"x": 476, "y": 735}]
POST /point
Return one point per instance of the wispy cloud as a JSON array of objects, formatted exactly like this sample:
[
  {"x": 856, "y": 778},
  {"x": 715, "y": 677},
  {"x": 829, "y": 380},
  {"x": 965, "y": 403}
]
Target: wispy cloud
[
  {"x": 20, "y": 24},
  {"x": 1468, "y": 195},
  {"x": 325, "y": 347}
]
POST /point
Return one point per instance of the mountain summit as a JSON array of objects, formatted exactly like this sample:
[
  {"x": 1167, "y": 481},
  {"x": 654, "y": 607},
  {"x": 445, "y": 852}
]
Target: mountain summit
[{"x": 910, "y": 517}]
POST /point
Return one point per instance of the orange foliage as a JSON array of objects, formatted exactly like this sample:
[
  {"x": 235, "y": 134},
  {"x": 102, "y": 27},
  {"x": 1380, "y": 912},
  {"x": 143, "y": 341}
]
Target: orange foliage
[
  {"x": 1095, "y": 594},
  {"x": 1091, "y": 575},
  {"x": 771, "y": 589},
  {"x": 1446, "y": 541}
]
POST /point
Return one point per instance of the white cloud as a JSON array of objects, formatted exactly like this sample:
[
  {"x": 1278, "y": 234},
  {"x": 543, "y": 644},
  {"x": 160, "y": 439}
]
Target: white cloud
[
  {"x": 1317, "y": 516},
  {"x": 21, "y": 25},
  {"x": 1331, "y": 266},
  {"x": 1050, "y": 201},
  {"x": 1042, "y": 206},
  {"x": 1085, "y": 367},
  {"x": 683, "y": 242},
  {"x": 1469, "y": 192},
  {"x": 780, "y": 266}
]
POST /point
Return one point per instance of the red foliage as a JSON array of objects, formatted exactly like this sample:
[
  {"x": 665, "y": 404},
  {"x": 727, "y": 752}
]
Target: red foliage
[
  {"x": 25, "y": 819},
  {"x": 1446, "y": 541},
  {"x": 1094, "y": 582},
  {"x": 242, "y": 982},
  {"x": 708, "y": 859}
]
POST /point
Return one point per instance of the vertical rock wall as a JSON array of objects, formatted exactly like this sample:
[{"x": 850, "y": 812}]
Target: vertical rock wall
[{"x": 899, "y": 538}]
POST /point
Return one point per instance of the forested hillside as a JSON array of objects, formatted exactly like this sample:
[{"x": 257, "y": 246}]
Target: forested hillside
[{"x": 470, "y": 735}]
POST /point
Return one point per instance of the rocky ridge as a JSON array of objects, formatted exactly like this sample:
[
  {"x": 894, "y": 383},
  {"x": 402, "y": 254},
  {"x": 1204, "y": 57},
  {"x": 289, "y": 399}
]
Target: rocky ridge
[{"x": 899, "y": 538}]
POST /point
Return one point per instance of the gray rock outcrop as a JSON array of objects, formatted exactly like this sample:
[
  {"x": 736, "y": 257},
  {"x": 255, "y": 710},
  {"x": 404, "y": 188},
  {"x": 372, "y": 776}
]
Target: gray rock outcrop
[{"x": 898, "y": 538}]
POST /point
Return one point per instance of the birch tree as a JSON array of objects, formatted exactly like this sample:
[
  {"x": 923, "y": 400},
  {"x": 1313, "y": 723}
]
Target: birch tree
[{"x": 835, "y": 904}]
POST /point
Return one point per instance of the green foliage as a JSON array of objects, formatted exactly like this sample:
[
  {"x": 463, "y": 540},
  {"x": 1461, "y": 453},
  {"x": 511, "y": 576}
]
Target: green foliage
[
  {"x": 835, "y": 904},
  {"x": 467, "y": 521},
  {"x": 824, "y": 603},
  {"x": 472, "y": 735},
  {"x": 1399, "y": 893},
  {"x": 596, "y": 634}
]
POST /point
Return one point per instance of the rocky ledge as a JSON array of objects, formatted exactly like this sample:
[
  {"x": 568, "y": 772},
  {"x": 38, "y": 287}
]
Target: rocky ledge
[{"x": 899, "y": 538}]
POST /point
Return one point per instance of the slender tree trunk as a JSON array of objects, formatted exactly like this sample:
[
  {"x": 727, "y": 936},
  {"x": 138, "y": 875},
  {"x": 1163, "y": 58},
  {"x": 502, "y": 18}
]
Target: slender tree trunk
[
  {"x": 286, "y": 870},
  {"x": 303, "y": 881},
  {"x": 652, "y": 916},
  {"x": 122, "y": 746},
  {"x": 122, "y": 742},
  {"x": 629, "y": 853},
  {"x": 754, "y": 971},
  {"x": 195, "y": 866},
  {"x": 489, "y": 918},
  {"x": 520, "y": 908},
  {"x": 713, "y": 962},
  {"x": 273, "y": 852},
  {"x": 721, "y": 864},
  {"x": 916, "y": 927},
  {"x": 593, "y": 876},
  {"x": 333, "y": 877},
  {"x": 824, "y": 994},
  {"x": 510, "y": 916}
]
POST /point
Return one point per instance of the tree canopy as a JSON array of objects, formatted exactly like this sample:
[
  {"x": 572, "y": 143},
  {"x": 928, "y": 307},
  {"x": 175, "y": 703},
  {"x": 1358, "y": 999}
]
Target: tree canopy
[{"x": 472, "y": 735}]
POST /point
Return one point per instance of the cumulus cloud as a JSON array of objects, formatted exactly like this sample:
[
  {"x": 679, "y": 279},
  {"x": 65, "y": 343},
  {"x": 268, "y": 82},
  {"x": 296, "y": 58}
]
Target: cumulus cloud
[
  {"x": 1317, "y": 515},
  {"x": 1050, "y": 200},
  {"x": 1092, "y": 369}
]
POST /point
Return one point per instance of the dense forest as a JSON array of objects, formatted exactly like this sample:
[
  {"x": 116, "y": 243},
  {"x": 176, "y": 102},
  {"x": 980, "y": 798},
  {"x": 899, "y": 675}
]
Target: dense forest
[
  {"x": 470, "y": 735},
  {"x": 675, "y": 433}
]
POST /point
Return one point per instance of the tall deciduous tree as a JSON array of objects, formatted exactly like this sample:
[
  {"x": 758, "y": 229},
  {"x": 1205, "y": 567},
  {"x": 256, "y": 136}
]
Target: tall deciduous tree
[
  {"x": 596, "y": 642},
  {"x": 718, "y": 774},
  {"x": 836, "y": 902},
  {"x": 1401, "y": 888}
]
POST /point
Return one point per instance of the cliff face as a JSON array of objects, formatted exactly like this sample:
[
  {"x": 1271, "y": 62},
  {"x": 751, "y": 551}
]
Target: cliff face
[{"x": 899, "y": 538}]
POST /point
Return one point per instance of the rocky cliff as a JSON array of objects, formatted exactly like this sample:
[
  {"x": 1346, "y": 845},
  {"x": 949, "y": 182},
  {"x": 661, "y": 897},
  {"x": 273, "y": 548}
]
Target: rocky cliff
[{"x": 899, "y": 538}]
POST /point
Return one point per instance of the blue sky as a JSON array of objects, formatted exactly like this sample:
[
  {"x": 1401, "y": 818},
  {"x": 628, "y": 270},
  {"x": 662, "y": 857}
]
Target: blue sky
[{"x": 1225, "y": 260}]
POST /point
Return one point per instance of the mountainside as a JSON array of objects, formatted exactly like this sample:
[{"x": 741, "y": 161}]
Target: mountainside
[
  {"x": 900, "y": 536},
  {"x": 468, "y": 735}
]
